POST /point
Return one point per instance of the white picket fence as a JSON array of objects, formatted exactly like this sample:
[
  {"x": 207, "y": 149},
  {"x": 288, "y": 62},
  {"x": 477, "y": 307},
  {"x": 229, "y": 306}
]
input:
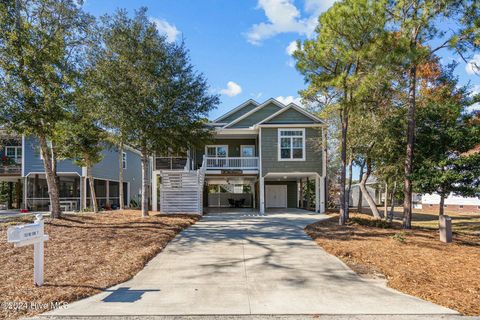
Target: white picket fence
[{"x": 182, "y": 191}]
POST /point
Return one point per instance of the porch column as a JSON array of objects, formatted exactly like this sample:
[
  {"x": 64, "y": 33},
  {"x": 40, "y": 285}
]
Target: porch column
[
  {"x": 25, "y": 184},
  {"x": 85, "y": 194},
  {"x": 322, "y": 194},
  {"x": 82, "y": 195},
  {"x": 154, "y": 191},
  {"x": 262, "y": 195},
  {"x": 317, "y": 193},
  {"x": 107, "y": 187}
]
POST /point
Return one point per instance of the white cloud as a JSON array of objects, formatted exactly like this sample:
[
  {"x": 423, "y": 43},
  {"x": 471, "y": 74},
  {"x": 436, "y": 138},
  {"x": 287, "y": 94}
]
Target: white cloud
[
  {"x": 291, "y": 48},
  {"x": 169, "y": 30},
  {"x": 232, "y": 89},
  {"x": 473, "y": 66},
  {"x": 283, "y": 16},
  {"x": 289, "y": 99}
]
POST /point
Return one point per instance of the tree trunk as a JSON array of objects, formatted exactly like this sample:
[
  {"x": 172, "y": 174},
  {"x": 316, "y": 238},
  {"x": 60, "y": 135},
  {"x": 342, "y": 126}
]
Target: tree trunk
[
  {"x": 371, "y": 202},
  {"x": 120, "y": 176},
  {"x": 441, "y": 209},
  {"x": 93, "y": 194},
  {"x": 144, "y": 184},
  {"x": 392, "y": 202},
  {"x": 10, "y": 195},
  {"x": 407, "y": 188},
  {"x": 349, "y": 189},
  {"x": 360, "y": 194},
  {"x": 386, "y": 201},
  {"x": 344, "y": 117},
  {"x": 50, "y": 174}
]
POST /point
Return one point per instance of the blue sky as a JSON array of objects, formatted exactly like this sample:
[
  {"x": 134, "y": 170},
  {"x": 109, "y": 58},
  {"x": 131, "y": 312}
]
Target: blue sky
[{"x": 241, "y": 45}]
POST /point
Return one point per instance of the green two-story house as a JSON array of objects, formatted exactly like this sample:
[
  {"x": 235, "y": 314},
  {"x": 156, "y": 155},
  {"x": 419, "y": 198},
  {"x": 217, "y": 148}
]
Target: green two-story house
[{"x": 263, "y": 155}]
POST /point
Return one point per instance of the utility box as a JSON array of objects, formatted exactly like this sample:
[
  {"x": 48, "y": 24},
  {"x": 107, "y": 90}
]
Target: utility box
[{"x": 445, "y": 225}]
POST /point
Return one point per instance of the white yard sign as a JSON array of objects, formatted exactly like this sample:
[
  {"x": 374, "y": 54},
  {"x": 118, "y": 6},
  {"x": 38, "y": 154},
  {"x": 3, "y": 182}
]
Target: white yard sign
[{"x": 27, "y": 234}]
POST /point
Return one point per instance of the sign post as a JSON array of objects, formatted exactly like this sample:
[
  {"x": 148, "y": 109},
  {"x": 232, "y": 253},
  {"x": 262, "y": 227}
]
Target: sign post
[{"x": 27, "y": 234}]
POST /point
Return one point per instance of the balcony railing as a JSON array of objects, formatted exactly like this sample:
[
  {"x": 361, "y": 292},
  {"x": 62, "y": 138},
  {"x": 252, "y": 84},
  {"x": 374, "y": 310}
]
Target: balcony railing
[
  {"x": 232, "y": 163},
  {"x": 11, "y": 169}
]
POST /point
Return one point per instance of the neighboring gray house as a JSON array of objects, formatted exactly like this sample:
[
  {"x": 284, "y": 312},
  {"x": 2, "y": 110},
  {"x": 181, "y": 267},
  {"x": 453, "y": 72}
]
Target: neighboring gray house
[
  {"x": 373, "y": 190},
  {"x": 22, "y": 167},
  {"x": 262, "y": 156}
]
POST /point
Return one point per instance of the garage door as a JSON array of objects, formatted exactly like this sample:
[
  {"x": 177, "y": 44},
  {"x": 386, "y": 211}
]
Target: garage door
[{"x": 276, "y": 196}]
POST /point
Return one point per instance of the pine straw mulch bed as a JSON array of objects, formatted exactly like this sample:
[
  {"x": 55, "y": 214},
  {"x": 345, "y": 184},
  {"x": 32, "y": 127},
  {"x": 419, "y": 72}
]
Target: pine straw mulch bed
[
  {"x": 85, "y": 254},
  {"x": 414, "y": 262}
]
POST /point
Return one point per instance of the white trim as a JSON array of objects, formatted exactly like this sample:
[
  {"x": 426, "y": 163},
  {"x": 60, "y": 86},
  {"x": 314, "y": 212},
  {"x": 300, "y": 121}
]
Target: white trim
[
  {"x": 216, "y": 146},
  {"x": 246, "y": 103},
  {"x": 271, "y": 100},
  {"x": 279, "y": 131},
  {"x": 23, "y": 155},
  {"x": 132, "y": 149},
  {"x": 260, "y": 151},
  {"x": 58, "y": 173},
  {"x": 297, "y": 108},
  {"x": 247, "y": 145},
  {"x": 291, "y": 125}
]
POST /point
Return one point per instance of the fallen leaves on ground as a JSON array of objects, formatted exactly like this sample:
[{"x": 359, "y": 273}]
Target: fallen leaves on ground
[
  {"x": 413, "y": 261},
  {"x": 85, "y": 254}
]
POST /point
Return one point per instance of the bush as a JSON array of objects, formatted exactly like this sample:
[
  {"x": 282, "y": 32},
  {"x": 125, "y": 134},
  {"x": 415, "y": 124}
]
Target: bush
[{"x": 399, "y": 236}]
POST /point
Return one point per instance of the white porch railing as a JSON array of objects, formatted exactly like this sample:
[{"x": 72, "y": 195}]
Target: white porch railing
[{"x": 232, "y": 163}]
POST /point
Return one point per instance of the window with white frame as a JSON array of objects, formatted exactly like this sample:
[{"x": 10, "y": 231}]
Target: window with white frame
[
  {"x": 216, "y": 151},
  {"x": 124, "y": 160},
  {"x": 291, "y": 144},
  {"x": 247, "y": 151},
  {"x": 14, "y": 152}
]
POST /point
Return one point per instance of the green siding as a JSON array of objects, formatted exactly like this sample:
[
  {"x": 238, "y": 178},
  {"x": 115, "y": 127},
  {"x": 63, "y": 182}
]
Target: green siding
[
  {"x": 291, "y": 191},
  {"x": 257, "y": 116},
  {"x": 291, "y": 116},
  {"x": 233, "y": 147},
  {"x": 249, "y": 107},
  {"x": 313, "y": 157}
]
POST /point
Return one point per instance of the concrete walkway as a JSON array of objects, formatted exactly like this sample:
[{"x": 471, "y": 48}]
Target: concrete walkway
[{"x": 242, "y": 263}]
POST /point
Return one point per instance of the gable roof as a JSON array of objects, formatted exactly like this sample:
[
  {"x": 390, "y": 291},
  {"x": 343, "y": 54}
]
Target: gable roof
[
  {"x": 305, "y": 114},
  {"x": 237, "y": 112},
  {"x": 270, "y": 101}
]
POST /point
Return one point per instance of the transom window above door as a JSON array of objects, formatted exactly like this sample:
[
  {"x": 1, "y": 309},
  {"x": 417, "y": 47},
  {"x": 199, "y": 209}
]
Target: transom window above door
[
  {"x": 247, "y": 151},
  {"x": 216, "y": 151},
  {"x": 291, "y": 144}
]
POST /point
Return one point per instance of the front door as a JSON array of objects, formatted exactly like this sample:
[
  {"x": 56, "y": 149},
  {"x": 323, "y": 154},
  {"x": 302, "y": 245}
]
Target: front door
[{"x": 276, "y": 196}]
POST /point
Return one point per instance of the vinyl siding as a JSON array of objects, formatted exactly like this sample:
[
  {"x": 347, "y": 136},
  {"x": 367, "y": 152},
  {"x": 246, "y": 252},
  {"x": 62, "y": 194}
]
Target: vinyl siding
[
  {"x": 106, "y": 169},
  {"x": 291, "y": 191},
  {"x": 249, "y": 107},
  {"x": 290, "y": 116},
  {"x": 313, "y": 153},
  {"x": 33, "y": 162},
  {"x": 257, "y": 116}
]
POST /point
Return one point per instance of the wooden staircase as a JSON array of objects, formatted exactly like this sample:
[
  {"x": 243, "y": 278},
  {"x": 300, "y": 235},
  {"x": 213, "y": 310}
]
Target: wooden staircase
[{"x": 181, "y": 191}]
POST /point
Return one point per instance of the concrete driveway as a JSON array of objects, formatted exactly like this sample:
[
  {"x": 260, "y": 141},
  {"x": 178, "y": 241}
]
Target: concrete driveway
[{"x": 244, "y": 263}]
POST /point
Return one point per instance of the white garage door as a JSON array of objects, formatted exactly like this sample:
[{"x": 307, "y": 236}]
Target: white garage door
[{"x": 276, "y": 196}]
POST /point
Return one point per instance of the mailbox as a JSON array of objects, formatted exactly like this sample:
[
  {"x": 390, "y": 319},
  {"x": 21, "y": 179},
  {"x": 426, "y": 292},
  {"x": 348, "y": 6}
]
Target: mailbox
[{"x": 28, "y": 234}]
